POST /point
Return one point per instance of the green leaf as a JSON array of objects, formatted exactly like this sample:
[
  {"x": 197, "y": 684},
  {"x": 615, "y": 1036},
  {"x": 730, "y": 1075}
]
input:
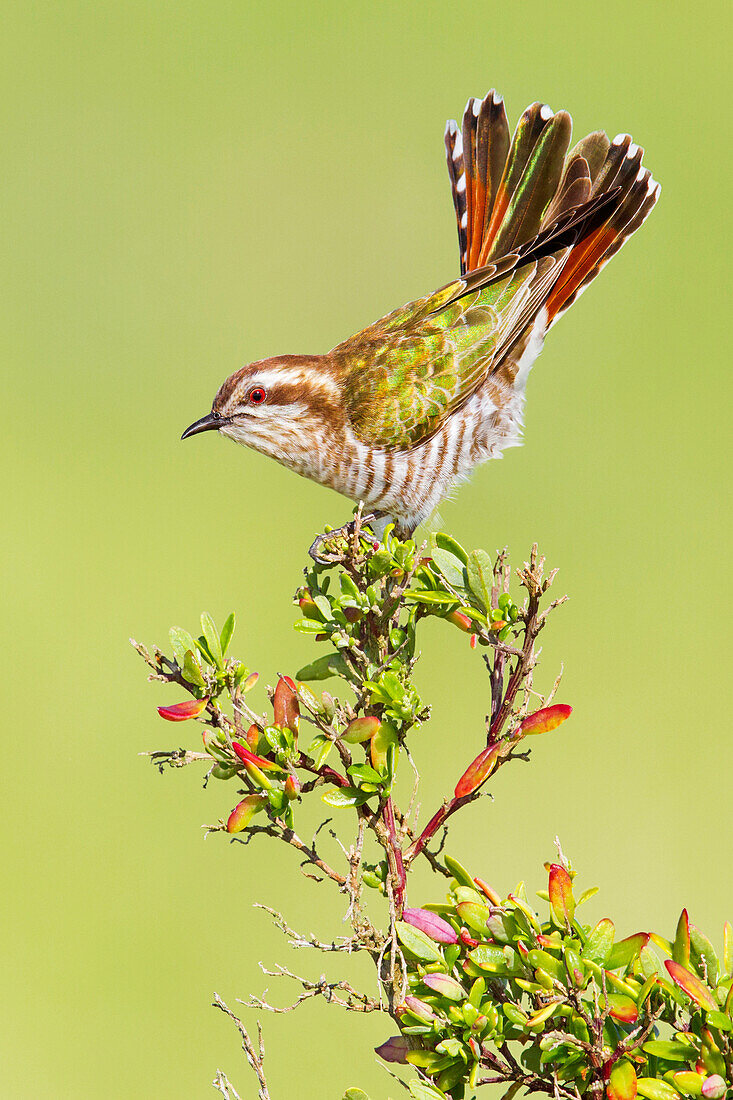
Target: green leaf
[
  {"x": 480, "y": 577},
  {"x": 191, "y": 670},
  {"x": 365, "y": 774},
  {"x": 420, "y": 1091},
  {"x": 226, "y": 633},
  {"x": 652, "y": 1089},
  {"x": 459, "y": 872},
  {"x": 490, "y": 958},
  {"x": 719, "y": 1020},
  {"x": 211, "y": 635},
  {"x": 625, "y": 951},
  {"x": 599, "y": 943},
  {"x": 323, "y": 668},
  {"x": 275, "y": 738},
  {"x": 588, "y": 894},
  {"x": 670, "y": 1051},
  {"x": 319, "y": 749},
  {"x": 355, "y": 1094},
  {"x": 476, "y": 916},
  {"x": 438, "y": 599},
  {"x": 442, "y": 541},
  {"x": 323, "y": 605},
  {"x": 308, "y": 626},
  {"x": 181, "y": 643},
  {"x": 340, "y": 797},
  {"x": 418, "y": 943},
  {"x": 702, "y": 949},
  {"x": 681, "y": 946},
  {"x": 450, "y": 567}
]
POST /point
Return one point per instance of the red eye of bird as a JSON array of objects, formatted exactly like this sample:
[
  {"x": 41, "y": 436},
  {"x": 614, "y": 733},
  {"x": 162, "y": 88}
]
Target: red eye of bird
[{"x": 257, "y": 396}]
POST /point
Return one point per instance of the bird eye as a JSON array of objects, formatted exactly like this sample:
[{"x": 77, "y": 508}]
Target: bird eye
[{"x": 257, "y": 396}]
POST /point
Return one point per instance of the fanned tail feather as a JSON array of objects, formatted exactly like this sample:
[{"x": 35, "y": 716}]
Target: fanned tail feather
[{"x": 508, "y": 195}]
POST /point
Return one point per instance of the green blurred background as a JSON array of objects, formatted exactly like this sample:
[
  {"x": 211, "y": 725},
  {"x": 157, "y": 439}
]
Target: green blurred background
[{"x": 191, "y": 186}]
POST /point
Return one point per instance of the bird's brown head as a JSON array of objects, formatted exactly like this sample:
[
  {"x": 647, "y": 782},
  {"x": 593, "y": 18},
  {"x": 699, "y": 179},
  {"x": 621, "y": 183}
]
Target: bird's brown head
[{"x": 275, "y": 404}]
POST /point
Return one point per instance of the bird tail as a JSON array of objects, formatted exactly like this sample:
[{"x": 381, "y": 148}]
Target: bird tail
[{"x": 506, "y": 192}]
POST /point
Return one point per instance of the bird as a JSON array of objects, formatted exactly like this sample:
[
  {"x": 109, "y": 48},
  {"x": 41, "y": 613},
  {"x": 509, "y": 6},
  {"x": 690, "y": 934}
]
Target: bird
[{"x": 399, "y": 414}]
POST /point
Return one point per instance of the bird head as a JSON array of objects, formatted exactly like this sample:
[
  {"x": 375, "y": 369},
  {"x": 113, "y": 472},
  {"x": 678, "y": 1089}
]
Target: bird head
[{"x": 273, "y": 404}]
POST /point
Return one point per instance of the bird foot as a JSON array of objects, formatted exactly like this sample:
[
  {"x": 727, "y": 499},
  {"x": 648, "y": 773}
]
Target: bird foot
[{"x": 332, "y": 547}]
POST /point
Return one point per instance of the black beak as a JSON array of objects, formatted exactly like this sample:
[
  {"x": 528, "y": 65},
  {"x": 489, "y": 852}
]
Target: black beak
[{"x": 208, "y": 423}]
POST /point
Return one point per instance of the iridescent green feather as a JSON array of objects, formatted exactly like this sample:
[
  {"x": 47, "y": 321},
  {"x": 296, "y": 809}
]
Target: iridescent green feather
[{"x": 405, "y": 374}]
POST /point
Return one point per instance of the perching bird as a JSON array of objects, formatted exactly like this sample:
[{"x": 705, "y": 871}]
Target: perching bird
[{"x": 398, "y": 414}]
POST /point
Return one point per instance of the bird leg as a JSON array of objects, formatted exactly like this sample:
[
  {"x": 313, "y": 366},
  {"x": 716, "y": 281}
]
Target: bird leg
[{"x": 325, "y": 549}]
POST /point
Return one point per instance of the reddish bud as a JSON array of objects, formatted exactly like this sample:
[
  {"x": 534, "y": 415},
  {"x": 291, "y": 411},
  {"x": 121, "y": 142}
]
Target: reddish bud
[
  {"x": 468, "y": 940},
  {"x": 292, "y": 787},
  {"x": 180, "y": 712},
  {"x": 499, "y": 624},
  {"x": 244, "y": 811},
  {"x": 473, "y": 640},
  {"x": 477, "y": 771},
  {"x": 460, "y": 620},
  {"x": 431, "y": 924},
  {"x": 285, "y": 704},
  {"x": 561, "y": 894},
  {"x": 308, "y": 607},
  {"x": 488, "y": 891},
  {"x": 252, "y": 737},
  {"x": 542, "y": 721},
  {"x": 250, "y": 682},
  {"x": 691, "y": 985}
]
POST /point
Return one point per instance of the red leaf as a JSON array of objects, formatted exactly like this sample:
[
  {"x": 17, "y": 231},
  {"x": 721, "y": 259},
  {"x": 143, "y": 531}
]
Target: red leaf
[
  {"x": 431, "y": 924},
  {"x": 180, "y": 712},
  {"x": 561, "y": 894},
  {"x": 691, "y": 985},
  {"x": 285, "y": 704},
  {"x": 542, "y": 721},
  {"x": 477, "y": 771},
  {"x": 622, "y": 1008},
  {"x": 248, "y": 757},
  {"x": 252, "y": 737}
]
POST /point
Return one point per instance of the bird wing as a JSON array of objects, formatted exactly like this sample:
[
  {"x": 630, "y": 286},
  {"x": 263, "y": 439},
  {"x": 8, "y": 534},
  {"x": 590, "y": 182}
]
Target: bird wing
[{"x": 404, "y": 375}]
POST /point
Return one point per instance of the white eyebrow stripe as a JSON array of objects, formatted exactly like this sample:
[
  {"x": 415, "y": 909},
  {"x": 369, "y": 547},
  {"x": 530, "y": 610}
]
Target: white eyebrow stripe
[{"x": 294, "y": 376}]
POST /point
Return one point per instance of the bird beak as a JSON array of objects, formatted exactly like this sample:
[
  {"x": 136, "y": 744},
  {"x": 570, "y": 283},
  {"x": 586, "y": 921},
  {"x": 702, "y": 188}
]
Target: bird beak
[{"x": 208, "y": 423}]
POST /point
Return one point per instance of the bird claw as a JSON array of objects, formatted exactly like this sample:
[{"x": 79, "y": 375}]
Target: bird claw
[{"x": 325, "y": 549}]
